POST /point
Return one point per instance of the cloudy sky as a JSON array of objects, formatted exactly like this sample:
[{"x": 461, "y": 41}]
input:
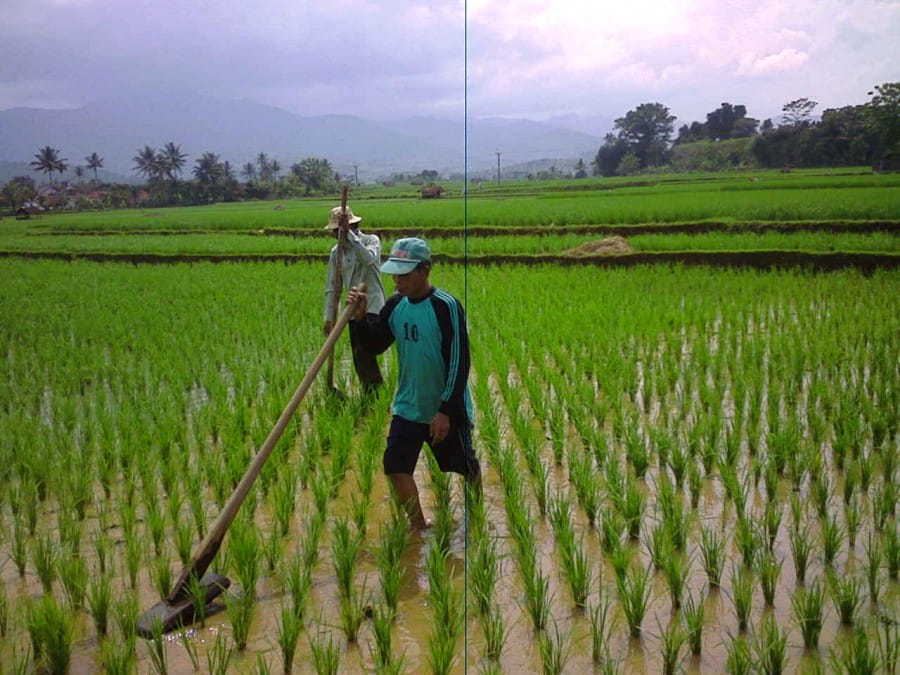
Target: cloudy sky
[{"x": 394, "y": 59}]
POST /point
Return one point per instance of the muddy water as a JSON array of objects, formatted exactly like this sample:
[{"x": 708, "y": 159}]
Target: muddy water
[{"x": 415, "y": 617}]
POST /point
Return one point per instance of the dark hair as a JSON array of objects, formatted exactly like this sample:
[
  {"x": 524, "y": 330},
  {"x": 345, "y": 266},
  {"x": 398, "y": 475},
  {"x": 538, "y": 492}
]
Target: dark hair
[{"x": 424, "y": 265}]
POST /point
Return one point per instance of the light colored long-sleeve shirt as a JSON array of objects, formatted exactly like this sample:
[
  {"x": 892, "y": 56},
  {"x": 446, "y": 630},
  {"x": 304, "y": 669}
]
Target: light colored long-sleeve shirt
[{"x": 362, "y": 258}]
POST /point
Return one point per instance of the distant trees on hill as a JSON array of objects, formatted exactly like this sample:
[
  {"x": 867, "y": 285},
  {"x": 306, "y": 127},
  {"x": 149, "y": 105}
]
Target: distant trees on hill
[{"x": 867, "y": 134}]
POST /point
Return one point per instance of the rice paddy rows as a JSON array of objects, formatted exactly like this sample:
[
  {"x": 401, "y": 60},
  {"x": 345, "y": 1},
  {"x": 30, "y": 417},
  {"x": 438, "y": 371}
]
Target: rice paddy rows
[{"x": 683, "y": 467}]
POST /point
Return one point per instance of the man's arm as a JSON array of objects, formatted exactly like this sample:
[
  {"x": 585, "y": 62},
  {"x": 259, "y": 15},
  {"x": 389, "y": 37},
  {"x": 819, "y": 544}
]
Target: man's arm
[
  {"x": 366, "y": 247},
  {"x": 455, "y": 350},
  {"x": 374, "y": 330}
]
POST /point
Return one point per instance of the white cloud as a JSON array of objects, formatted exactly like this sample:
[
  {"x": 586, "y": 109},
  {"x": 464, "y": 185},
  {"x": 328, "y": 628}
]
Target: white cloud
[
  {"x": 785, "y": 60},
  {"x": 390, "y": 58}
]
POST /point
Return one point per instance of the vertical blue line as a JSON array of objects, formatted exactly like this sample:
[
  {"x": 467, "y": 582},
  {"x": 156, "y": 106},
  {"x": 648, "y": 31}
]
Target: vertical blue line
[{"x": 466, "y": 302}]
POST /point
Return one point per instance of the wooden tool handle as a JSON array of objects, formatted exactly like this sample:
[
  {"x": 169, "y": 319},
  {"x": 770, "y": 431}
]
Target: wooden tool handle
[{"x": 210, "y": 545}]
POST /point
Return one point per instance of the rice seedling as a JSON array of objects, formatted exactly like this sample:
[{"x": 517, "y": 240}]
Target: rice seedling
[
  {"x": 672, "y": 642},
  {"x": 73, "y": 573},
  {"x": 271, "y": 549},
  {"x": 441, "y": 650},
  {"x": 631, "y": 507},
  {"x": 578, "y": 572},
  {"x": 602, "y": 623},
  {"x": 832, "y": 538},
  {"x": 679, "y": 461},
  {"x": 873, "y": 563},
  {"x": 820, "y": 492},
  {"x": 184, "y": 540},
  {"x": 693, "y": 613},
  {"x": 742, "y": 595},
  {"x": 555, "y": 650},
  {"x": 245, "y": 552},
  {"x": 218, "y": 655},
  {"x": 846, "y": 594},
  {"x": 125, "y": 613},
  {"x": 770, "y": 646},
  {"x": 297, "y": 578},
  {"x": 852, "y": 517},
  {"x": 495, "y": 633},
  {"x": 190, "y": 647},
  {"x": 634, "y": 595},
  {"x": 771, "y": 522},
  {"x": 483, "y": 573},
  {"x": 284, "y": 497},
  {"x": 695, "y": 484},
  {"x": 286, "y": 636},
  {"x": 134, "y": 554},
  {"x": 892, "y": 550},
  {"x": 855, "y": 656},
  {"x": 321, "y": 488},
  {"x": 809, "y": 608},
  {"x": 659, "y": 545},
  {"x": 52, "y": 632},
  {"x": 382, "y": 627},
  {"x": 446, "y": 600},
  {"x": 801, "y": 548},
  {"x": 197, "y": 593},
  {"x": 676, "y": 568},
  {"x": 344, "y": 551},
  {"x": 359, "y": 512},
  {"x": 620, "y": 559},
  {"x": 888, "y": 639},
  {"x": 4, "y": 612},
  {"x": 309, "y": 551},
  {"x": 240, "y": 609},
  {"x": 636, "y": 451},
  {"x": 19, "y": 551},
  {"x": 162, "y": 576},
  {"x": 712, "y": 555},
  {"x": 537, "y": 599},
  {"x": 44, "y": 556},
  {"x": 69, "y": 530},
  {"x": 117, "y": 658},
  {"x": 747, "y": 539},
  {"x": 326, "y": 656},
  {"x": 156, "y": 522},
  {"x": 99, "y": 599},
  {"x": 768, "y": 569},
  {"x": 353, "y": 612},
  {"x": 740, "y": 659}
]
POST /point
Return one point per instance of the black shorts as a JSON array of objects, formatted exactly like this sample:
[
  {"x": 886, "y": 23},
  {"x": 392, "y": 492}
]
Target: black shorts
[{"x": 405, "y": 440}]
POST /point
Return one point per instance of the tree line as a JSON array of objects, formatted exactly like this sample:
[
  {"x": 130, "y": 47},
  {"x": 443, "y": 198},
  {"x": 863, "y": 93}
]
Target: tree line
[
  {"x": 867, "y": 134},
  {"x": 211, "y": 179}
]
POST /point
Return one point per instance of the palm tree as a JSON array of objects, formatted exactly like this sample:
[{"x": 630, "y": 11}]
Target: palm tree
[
  {"x": 47, "y": 160},
  {"x": 94, "y": 161},
  {"x": 172, "y": 161},
  {"x": 146, "y": 163},
  {"x": 209, "y": 173},
  {"x": 249, "y": 171},
  {"x": 265, "y": 169}
]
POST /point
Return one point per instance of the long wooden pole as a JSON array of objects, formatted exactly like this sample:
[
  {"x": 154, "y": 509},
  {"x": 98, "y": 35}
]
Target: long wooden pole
[
  {"x": 210, "y": 545},
  {"x": 343, "y": 224}
]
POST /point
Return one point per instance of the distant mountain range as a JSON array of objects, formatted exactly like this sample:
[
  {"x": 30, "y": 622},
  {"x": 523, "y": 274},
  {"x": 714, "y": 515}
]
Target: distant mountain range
[{"x": 239, "y": 130}]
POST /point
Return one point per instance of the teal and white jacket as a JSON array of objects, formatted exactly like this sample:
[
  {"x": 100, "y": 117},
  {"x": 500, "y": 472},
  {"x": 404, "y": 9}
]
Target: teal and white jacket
[{"x": 433, "y": 354}]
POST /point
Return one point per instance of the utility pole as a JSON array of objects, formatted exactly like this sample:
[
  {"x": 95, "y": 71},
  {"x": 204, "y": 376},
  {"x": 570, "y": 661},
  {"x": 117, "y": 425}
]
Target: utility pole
[
  {"x": 498, "y": 167},
  {"x": 355, "y": 175}
]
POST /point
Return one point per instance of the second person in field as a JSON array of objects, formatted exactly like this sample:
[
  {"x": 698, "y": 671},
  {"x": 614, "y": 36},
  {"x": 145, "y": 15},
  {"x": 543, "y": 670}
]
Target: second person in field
[{"x": 360, "y": 257}]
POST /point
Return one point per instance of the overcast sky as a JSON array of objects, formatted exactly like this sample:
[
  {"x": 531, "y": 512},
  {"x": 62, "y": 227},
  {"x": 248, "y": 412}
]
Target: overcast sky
[{"x": 394, "y": 59}]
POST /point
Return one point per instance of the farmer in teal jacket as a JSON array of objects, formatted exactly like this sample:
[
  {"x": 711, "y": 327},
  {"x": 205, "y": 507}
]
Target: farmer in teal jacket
[{"x": 432, "y": 403}]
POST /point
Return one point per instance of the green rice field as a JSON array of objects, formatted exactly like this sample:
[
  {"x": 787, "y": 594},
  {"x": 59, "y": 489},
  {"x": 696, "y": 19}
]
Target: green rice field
[{"x": 687, "y": 469}]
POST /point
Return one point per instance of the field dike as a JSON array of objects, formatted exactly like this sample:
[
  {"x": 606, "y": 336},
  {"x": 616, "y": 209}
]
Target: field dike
[{"x": 763, "y": 260}]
